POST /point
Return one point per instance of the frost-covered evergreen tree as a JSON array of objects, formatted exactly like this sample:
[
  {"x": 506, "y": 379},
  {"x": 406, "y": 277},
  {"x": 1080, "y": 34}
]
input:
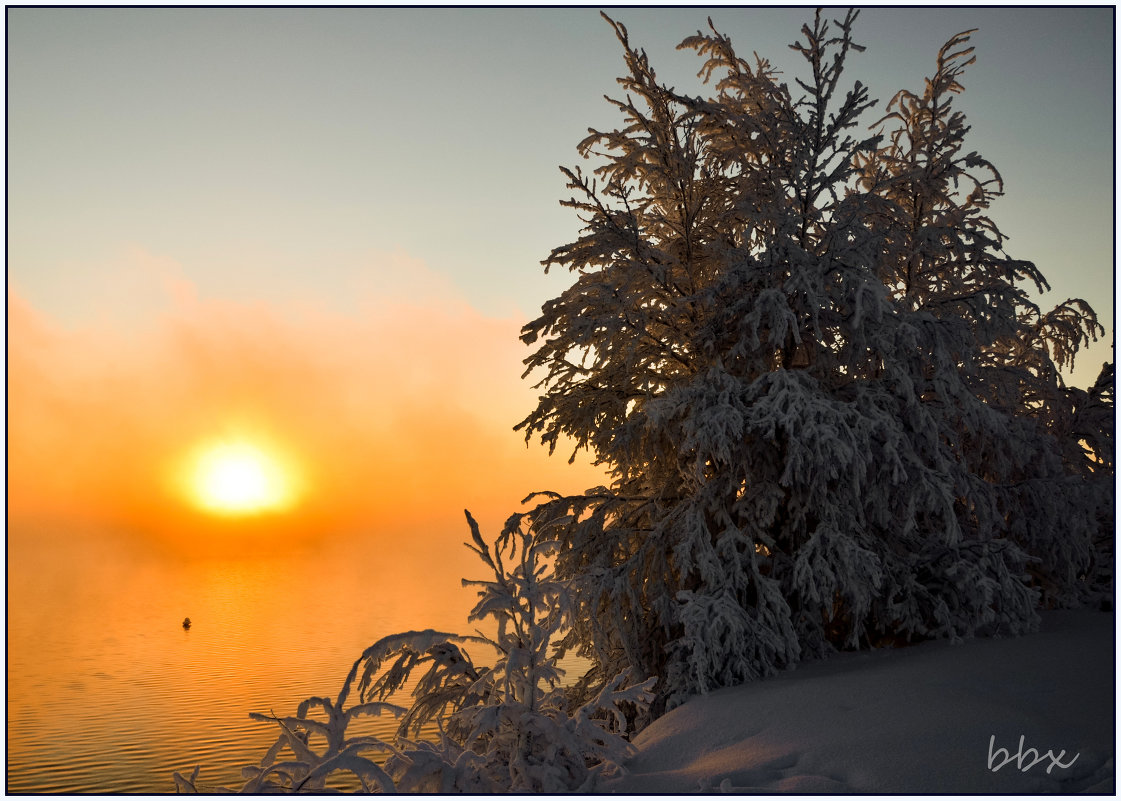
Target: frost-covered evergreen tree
[
  {"x": 792, "y": 347},
  {"x": 1004, "y": 406}
]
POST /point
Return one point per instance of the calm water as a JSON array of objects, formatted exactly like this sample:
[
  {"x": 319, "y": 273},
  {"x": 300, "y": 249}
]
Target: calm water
[{"x": 108, "y": 693}]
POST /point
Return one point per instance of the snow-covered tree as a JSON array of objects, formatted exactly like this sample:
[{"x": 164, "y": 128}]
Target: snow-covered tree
[
  {"x": 794, "y": 349},
  {"x": 946, "y": 265}
]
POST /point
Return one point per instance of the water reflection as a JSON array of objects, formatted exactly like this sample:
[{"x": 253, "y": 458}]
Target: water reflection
[{"x": 109, "y": 692}]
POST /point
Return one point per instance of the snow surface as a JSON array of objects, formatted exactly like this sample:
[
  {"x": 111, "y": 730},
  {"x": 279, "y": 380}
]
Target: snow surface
[{"x": 911, "y": 720}]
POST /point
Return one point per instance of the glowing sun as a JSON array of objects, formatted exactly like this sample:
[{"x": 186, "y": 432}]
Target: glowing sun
[{"x": 238, "y": 479}]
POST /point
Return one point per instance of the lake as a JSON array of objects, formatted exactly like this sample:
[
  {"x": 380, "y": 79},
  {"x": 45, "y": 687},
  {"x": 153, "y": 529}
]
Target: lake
[{"x": 107, "y": 693}]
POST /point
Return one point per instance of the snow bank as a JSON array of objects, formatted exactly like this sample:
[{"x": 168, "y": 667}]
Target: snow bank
[{"x": 914, "y": 720}]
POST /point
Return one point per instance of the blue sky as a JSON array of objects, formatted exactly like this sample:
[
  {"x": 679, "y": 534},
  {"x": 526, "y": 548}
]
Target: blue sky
[
  {"x": 277, "y": 153},
  {"x": 320, "y": 231}
]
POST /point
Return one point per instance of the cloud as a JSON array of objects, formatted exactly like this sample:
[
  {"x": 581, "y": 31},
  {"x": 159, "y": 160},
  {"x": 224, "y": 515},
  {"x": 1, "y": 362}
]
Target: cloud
[{"x": 396, "y": 413}]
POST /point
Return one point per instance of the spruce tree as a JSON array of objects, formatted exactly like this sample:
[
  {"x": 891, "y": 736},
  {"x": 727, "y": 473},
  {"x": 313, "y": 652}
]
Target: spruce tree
[
  {"x": 790, "y": 345},
  {"x": 946, "y": 265}
]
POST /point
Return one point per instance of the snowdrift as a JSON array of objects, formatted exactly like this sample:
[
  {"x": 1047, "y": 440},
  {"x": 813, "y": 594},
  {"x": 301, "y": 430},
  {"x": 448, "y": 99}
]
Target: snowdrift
[{"x": 932, "y": 718}]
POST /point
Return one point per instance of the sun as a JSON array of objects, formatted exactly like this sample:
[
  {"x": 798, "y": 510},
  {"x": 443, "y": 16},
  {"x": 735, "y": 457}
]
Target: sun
[{"x": 239, "y": 478}]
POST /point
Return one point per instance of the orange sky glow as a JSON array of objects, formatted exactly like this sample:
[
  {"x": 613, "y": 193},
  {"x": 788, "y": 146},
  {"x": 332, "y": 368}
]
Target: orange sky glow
[{"x": 393, "y": 416}]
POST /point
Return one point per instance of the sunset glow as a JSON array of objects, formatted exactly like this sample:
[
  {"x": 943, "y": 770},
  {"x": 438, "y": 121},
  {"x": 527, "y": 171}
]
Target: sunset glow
[
  {"x": 320, "y": 349},
  {"x": 238, "y": 478}
]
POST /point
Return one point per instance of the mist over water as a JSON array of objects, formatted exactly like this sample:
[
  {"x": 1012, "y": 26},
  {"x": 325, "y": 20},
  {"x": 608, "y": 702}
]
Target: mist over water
[{"x": 108, "y": 693}]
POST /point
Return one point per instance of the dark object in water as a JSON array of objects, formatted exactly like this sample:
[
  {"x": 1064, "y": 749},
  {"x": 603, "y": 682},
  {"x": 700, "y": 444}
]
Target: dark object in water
[{"x": 186, "y": 622}]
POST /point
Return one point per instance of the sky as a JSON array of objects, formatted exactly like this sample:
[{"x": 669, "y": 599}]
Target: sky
[{"x": 320, "y": 230}]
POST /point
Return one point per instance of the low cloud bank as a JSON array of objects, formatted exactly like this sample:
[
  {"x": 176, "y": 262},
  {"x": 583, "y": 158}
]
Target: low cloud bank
[{"x": 397, "y": 411}]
